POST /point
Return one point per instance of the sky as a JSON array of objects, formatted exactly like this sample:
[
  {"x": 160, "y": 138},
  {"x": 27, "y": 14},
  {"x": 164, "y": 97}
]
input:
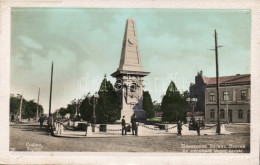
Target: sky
[{"x": 85, "y": 44}]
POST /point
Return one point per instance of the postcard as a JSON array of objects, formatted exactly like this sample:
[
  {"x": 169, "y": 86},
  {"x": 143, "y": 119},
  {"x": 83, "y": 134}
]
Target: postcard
[{"x": 130, "y": 85}]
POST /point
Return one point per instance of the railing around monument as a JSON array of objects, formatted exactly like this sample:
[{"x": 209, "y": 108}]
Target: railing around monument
[{"x": 60, "y": 126}]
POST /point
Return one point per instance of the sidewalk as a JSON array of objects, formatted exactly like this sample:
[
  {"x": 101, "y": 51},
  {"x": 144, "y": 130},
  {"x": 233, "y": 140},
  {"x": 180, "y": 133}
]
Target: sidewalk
[{"x": 143, "y": 130}]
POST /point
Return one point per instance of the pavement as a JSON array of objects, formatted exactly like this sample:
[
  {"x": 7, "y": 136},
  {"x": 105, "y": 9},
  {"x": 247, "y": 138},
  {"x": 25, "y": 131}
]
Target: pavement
[
  {"x": 112, "y": 141},
  {"x": 143, "y": 130}
]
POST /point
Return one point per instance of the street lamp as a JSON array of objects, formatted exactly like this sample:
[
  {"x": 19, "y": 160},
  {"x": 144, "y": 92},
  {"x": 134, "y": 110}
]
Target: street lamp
[
  {"x": 94, "y": 103},
  {"x": 78, "y": 117},
  {"x": 192, "y": 101}
]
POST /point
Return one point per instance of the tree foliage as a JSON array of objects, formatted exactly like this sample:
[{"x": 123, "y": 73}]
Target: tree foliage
[
  {"x": 157, "y": 107},
  {"x": 108, "y": 107},
  {"x": 174, "y": 105},
  {"x": 86, "y": 110},
  {"x": 70, "y": 109},
  {"x": 148, "y": 104},
  {"x": 29, "y": 108}
]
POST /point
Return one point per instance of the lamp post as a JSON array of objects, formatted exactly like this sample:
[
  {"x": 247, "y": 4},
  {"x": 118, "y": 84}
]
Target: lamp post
[
  {"x": 78, "y": 105},
  {"x": 192, "y": 101},
  {"x": 78, "y": 116},
  {"x": 94, "y": 103}
]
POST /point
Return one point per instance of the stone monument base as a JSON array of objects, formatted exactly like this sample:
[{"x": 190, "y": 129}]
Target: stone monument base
[
  {"x": 127, "y": 115},
  {"x": 140, "y": 115}
]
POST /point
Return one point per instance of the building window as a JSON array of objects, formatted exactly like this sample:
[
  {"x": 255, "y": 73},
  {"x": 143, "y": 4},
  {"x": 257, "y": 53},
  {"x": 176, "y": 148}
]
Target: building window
[
  {"x": 243, "y": 95},
  {"x": 212, "y": 114},
  {"x": 240, "y": 114},
  {"x": 211, "y": 96},
  {"x": 225, "y": 96},
  {"x": 222, "y": 114}
]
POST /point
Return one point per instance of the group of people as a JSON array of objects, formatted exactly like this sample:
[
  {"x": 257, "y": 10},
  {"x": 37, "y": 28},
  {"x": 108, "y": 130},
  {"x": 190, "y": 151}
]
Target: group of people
[
  {"x": 125, "y": 129},
  {"x": 134, "y": 126}
]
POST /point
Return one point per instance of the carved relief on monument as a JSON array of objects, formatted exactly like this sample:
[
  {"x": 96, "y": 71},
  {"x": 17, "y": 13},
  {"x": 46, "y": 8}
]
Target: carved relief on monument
[{"x": 132, "y": 91}]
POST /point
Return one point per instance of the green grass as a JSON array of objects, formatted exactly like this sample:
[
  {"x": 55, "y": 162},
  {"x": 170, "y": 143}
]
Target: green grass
[{"x": 155, "y": 119}]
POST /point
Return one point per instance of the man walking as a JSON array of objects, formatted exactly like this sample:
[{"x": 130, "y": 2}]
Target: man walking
[
  {"x": 179, "y": 125},
  {"x": 123, "y": 126}
]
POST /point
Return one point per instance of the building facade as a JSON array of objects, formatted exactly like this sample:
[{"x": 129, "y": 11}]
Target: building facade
[{"x": 234, "y": 93}]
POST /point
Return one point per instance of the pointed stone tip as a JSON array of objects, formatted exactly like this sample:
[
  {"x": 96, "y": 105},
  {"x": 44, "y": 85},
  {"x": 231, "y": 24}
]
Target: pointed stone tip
[{"x": 130, "y": 19}]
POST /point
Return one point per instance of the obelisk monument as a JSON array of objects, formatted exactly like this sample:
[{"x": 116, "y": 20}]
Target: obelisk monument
[{"x": 129, "y": 75}]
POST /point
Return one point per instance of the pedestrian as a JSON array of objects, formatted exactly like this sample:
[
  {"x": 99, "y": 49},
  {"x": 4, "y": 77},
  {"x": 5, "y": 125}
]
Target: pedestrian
[
  {"x": 12, "y": 117},
  {"x": 198, "y": 127},
  {"x": 41, "y": 120},
  {"x": 179, "y": 125},
  {"x": 134, "y": 126},
  {"x": 50, "y": 125},
  {"x": 202, "y": 123},
  {"x": 123, "y": 126}
]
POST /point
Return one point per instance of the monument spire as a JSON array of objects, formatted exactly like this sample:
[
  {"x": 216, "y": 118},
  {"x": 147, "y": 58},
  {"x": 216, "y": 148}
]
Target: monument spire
[
  {"x": 129, "y": 84},
  {"x": 130, "y": 55}
]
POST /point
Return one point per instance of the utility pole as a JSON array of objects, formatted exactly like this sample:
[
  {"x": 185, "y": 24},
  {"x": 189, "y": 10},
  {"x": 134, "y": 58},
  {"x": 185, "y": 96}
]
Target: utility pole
[
  {"x": 51, "y": 88},
  {"x": 21, "y": 106},
  {"x": 217, "y": 83},
  {"x": 37, "y": 112}
]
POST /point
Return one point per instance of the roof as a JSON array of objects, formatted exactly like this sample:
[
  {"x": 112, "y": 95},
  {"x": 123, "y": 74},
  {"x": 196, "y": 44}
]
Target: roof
[
  {"x": 239, "y": 78},
  {"x": 189, "y": 114}
]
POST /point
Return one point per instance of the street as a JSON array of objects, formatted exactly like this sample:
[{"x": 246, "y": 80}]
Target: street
[{"x": 31, "y": 137}]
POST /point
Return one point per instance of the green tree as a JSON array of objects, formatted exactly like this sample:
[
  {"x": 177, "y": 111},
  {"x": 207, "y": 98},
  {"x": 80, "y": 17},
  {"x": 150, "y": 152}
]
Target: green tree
[
  {"x": 15, "y": 104},
  {"x": 71, "y": 108},
  {"x": 148, "y": 104},
  {"x": 157, "y": 106},
  {"x": 29, "y": 108},
  {"x": 108, "y": 107},
  {"x": 62, "y": 111},
  {"x": 86, "y": 110},
  {"x": 173, "y": 106}
]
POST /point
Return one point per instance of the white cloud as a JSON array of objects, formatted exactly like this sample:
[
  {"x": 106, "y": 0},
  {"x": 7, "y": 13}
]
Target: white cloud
[{"x": 30, "y": 43}]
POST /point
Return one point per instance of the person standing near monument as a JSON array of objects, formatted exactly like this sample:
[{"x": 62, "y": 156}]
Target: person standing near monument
[
  {"x": 123, "y": 126},
  {"x": 179, "y": 126},
  {"x": 50, "y": 125},
  {"x": 134, "y": 126}
]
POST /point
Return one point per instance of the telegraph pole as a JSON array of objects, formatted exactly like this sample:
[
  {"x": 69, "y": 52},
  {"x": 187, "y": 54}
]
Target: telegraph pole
[
  {"x": 37, "y": 112},
  {"x": 21, "y": 106},
  {"x": 217, "y": 83},
  {"x": 51, "y": 88}
]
